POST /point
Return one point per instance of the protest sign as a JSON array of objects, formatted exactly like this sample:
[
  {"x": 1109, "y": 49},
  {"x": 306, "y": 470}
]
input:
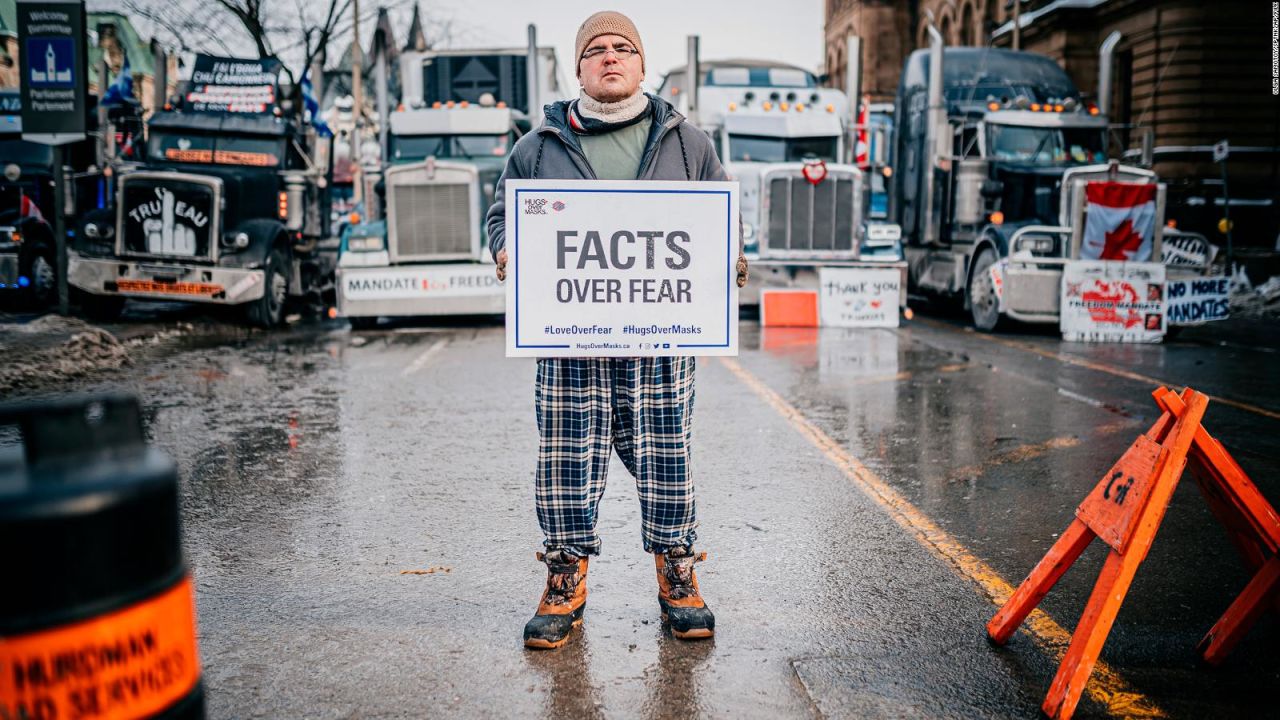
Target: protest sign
[
  {"x": 1112, "y": 302},
  {"x": 621, "y": 268},
  {"x": 1187, "y": 250},
  {"x": 858, "y": 297},
  {"x": 1196, "y": 301},
  {"x": 233, "y": 85}
]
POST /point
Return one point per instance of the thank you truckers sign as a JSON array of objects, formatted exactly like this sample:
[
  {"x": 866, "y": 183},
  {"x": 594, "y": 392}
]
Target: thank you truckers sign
[
  {"x": 51, "y": 53},
  {"x": 605, "y": 268}
]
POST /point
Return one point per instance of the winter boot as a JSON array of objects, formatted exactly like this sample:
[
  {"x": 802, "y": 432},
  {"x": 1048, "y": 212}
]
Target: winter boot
[
  {"x": 682, "y": 605},
  {"x": 562, "y": 603}
]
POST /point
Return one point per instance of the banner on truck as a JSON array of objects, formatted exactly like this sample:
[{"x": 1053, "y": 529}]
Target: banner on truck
[
  {"x": 621, "y": 268},
  {"x": 1113, "y": 302},
  {"x": 233, "y": 85}
]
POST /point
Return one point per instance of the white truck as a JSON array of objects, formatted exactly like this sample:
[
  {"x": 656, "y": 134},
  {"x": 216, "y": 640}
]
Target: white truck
[
  {"x": 425, "y": 251},
  {"x": 789, "y": 142}
]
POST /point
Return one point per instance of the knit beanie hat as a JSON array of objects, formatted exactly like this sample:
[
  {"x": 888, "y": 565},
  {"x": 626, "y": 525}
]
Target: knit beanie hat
[{"x": 606, "y": 22}]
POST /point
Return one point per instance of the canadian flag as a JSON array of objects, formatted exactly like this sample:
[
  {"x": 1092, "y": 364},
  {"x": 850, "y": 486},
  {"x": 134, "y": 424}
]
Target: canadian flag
[
  {"x": 29, "y": 209},
  {"x": 862, "y": 147},
  {"x": 1121, "y": 221}
]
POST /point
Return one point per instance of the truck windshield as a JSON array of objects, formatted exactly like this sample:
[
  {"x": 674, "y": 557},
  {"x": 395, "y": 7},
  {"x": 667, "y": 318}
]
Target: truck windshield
[
  {"x": 217, "y": 150},
  {"x": 1046, "y": 146},
  {"x": 420, "y": 147},
  {"x": 26, "y": 154},
  {"x": 760, "y": 148}
]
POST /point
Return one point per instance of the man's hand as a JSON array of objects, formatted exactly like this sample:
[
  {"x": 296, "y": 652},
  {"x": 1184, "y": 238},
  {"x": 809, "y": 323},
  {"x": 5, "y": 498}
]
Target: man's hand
[
  {"x": 502, "y": 265},
  {"x": 742, "y": 271}
]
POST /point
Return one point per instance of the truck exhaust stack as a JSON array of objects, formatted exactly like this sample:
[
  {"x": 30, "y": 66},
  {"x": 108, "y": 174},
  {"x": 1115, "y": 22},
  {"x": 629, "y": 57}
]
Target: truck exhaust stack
[
  {"x": 1105, "y": 53},
  {"x": 937, "y": 138}
]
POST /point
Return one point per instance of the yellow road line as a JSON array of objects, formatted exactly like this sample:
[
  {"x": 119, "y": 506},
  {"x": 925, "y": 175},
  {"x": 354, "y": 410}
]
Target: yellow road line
[
  {"x": 1106, "y": 686},
  {"x": 1099, "y": 367},
  {"x": 874, "y": 379}
]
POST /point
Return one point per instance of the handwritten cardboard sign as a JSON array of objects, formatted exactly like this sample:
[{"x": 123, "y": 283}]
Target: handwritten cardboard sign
[
  {"x": 858, "y": 297},
  {"x": 1109, "y": 301},
  {"x": 1199, "y": 300}
]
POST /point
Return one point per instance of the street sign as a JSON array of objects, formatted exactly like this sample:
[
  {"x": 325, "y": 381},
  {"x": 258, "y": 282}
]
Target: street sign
[
  {"x": 1220, "y": 150},
  {"x": 51, "y": 58}
]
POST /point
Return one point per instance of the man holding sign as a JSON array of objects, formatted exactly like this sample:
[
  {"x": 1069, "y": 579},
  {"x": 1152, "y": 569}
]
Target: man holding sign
[{"x": 587, "y": 407}]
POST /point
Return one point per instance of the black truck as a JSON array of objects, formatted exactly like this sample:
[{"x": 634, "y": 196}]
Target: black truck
[
  {"x": 229, "y": 206},
  {"x": 993, "y": 150}
]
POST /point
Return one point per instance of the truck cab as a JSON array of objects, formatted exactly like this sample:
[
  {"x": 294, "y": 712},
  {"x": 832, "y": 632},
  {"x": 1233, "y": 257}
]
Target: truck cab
[
  {"x": 229, "y": 207},
  {"x": 994, "y": 150},
  {"x": 423, "y": 250},
  {"x": 789, "y": 143}
]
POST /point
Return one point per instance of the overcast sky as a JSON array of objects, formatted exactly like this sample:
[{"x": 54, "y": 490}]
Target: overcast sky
[{"x": 767, "y": 29}]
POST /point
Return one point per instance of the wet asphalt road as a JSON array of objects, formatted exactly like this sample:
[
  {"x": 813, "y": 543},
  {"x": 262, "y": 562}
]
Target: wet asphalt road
[{"x": 359, "y": 523}]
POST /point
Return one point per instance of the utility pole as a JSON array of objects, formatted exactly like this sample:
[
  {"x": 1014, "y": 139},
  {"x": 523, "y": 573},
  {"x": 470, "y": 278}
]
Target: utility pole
[
  {"x": 1017, "y": 24},
  {"x": 357, "y": 97}
]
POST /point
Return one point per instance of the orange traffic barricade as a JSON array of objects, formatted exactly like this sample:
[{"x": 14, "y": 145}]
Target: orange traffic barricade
[{"x": 1124, "y": 510}]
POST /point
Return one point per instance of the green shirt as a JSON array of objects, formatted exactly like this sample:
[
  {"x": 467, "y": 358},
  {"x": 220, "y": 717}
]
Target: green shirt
[{"x": 616, "y": 155}]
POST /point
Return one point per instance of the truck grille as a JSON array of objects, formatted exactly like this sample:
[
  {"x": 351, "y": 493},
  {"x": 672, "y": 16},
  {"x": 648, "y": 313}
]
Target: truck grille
[
  {"x": 169, "y": 215},
  {"x": 433, "y": 212},
  {"x": 432, "y": 220},
  {"x": 809, "y": 219}
]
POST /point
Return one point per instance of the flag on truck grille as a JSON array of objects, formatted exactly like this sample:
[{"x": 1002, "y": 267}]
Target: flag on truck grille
[{"x": 1121, "y": 221}]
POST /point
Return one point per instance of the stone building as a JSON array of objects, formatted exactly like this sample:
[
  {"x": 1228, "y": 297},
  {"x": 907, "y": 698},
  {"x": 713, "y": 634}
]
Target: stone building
[
  {"x": 110, "y": 34},
  {"x": 1195, "y": 72},
  {"x": 891, "y": 29},
  {"x": 116, "y": 36}
]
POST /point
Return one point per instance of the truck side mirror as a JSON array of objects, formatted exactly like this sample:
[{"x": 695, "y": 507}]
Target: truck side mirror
[{"x": 992, "y": 189}]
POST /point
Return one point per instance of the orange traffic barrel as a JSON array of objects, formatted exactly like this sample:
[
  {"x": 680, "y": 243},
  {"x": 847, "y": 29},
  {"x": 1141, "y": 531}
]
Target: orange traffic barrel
[{"x": 97, "y": 612}]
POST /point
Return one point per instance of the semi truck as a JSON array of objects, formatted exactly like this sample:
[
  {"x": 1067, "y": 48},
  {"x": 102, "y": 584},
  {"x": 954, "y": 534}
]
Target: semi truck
[
  {"x": 423, "y": 249},
  {"x": 790, "y": 143},
  {"x": 994, "y": 154},
  {"x": 229, "y": 206}
]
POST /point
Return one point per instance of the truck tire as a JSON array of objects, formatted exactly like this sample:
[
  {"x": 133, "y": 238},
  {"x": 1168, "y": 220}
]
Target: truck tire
[
  {"x": 983, "y": 304},
  {"x": 99, "y": 308},
  {"x": 268, "y": 310},
  {"x": 363, "y": 323}
]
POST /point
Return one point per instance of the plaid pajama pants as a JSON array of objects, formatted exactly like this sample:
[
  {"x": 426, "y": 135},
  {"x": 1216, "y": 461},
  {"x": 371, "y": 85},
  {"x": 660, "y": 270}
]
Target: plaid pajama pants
[{"x": 587, "y": 407}]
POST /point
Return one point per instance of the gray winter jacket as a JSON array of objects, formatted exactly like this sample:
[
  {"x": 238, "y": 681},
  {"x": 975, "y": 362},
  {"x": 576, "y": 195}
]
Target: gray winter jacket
[{"x": 675, "y": 150}]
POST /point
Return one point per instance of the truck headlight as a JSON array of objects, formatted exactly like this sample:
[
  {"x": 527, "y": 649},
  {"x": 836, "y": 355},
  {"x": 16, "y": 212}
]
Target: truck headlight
[
  {"x": 1036, "y": 245},
  {"x": 238, "y": 240},
  {"x": 748, "y": 231},
  {"x": 882, "y": 235},
  {"x": 362, "y": 244},
  {"x": 94, "y": 231}
]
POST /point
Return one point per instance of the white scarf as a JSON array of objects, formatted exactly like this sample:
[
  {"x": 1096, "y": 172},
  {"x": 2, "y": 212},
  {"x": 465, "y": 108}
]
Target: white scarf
[{"x": 614, "y": 112}]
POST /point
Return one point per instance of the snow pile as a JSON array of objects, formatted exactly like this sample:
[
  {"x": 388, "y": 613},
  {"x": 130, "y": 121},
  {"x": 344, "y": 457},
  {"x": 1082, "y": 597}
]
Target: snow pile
[
  {"x": 1250, "y": 301},
  {"x": 52, "y": 348}
]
